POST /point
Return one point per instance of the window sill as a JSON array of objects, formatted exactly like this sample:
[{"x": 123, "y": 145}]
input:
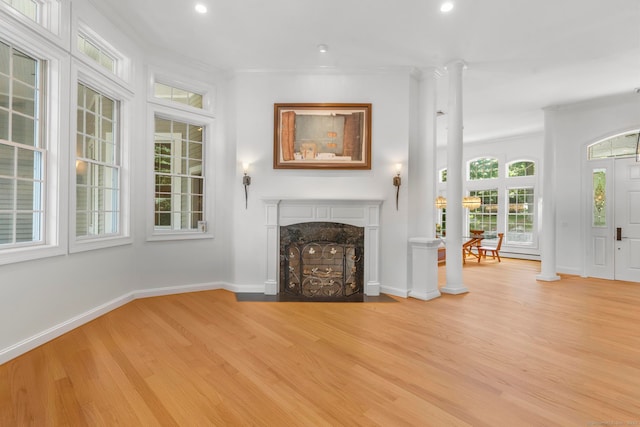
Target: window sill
[
  {"x": 176, "y": 235},
  {"x": 29, "y": 253},
  {"x": 99, "y": 243}
]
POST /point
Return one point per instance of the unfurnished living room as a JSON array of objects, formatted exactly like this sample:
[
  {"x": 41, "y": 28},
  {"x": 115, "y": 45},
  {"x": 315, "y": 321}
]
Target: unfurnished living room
[{"x": 307, "y": 213}]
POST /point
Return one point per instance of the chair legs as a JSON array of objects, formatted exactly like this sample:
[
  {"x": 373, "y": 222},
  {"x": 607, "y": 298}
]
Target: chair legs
[{"x": 482, "y": 253}]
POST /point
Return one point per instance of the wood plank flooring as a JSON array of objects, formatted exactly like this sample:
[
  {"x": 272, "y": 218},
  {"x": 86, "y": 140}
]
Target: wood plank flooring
[{"x": 512, "y": 352}]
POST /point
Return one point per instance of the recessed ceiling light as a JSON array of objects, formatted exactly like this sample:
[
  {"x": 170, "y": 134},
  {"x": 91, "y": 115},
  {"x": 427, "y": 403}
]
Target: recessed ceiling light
[
  {"x": 323, "y": 48},
  {"x": 446, "y": 7},
  {"x": 200, "y": 8}
]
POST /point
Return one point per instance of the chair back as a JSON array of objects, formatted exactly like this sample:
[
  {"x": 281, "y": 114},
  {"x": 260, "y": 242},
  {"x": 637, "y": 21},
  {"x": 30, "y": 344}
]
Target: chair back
[{"x": 500, "y": 236}]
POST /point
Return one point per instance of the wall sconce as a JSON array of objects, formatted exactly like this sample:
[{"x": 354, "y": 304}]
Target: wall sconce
[
  {"x": 246, "y": 181},
  {"x": 397, "y": 181}
]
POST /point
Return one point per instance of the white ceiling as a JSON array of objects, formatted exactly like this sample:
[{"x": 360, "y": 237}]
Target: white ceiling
[{"x": 521, "y": 55}]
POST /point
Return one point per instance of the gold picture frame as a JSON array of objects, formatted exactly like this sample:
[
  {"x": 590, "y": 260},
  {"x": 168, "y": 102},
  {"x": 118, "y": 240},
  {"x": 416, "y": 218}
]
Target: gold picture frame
[{"x": 322, "y": 136}]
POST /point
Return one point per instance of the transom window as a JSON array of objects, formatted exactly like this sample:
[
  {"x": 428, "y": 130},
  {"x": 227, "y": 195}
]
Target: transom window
[
  {"x": 22, "y": 151},
  {"x": 98, "y": 54},
  {"x": 29, "y": 8},
  {"x": 179, "y": 174},
  {"x": 484, "y": 168},
  {"x": 175, "y": 94},
  {"x": 521, "y": 168},
  {"x": 43, "y": 13},
  {"x": 625, "y": 145},
  {"x": 97, "y": 165}
]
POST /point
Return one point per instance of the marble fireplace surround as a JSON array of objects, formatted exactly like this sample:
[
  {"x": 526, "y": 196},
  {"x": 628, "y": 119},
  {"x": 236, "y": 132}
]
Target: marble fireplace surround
[{"x": 359, "y": 212}]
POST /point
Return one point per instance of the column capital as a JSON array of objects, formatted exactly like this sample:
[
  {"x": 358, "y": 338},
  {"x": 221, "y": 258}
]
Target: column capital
[
  {"x": 427, "y": 72},
  {"x": 551, "y": 108},
  {"x": 455, "y": 63}
]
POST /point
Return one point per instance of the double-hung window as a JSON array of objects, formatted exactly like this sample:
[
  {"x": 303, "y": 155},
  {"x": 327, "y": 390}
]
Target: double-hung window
[
  {"x": 521, "y": 203},
  {"x": 485, "y": 217},
  {"x": 22, "y": 150},
  {"x": 179, "y": 177},
  {"x": 97, "y": 165},
  {"x": 521, "y": 215}
]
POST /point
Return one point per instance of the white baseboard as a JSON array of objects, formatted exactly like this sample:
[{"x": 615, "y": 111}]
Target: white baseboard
[
  {"x": 403, "y": 293},
  {"x": 49, "y": 334}
]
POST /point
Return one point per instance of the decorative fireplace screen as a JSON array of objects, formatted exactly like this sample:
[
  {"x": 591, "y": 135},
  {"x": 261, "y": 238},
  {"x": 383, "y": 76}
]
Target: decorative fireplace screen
[{"x": 322, "y": 261}]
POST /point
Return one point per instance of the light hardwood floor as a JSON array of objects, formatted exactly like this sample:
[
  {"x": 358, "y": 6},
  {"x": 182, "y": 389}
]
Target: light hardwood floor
[{"x": 512, "y": 352}]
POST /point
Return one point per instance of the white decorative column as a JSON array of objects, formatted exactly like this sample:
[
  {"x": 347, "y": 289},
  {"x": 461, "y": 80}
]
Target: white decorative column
[
  {"x": 424, "y": 249},
  {"x": 454, "y": 283},
  {"x": 547, "y": 230},
  {"x": 424, "y": 283},
  {"x": 426, "y": 155}
]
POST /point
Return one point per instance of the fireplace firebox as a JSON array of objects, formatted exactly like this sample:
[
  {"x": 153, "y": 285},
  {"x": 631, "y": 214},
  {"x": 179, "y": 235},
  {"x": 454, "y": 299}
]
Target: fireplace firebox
[{"x": 322, "y": 261}]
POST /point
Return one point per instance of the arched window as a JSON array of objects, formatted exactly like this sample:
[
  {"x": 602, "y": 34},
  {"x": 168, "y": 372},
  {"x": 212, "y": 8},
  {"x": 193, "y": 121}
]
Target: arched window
[
  {"x": 624, "y": 145},
  {"x": 484, "y": 168},
  {"x": 521, "y": 168}
]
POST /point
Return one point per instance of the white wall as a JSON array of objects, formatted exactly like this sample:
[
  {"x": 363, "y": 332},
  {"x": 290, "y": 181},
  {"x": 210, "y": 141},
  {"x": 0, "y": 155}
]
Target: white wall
[
  {"x": 255, "y": 95},
  {"x": 576, "y": 127}
]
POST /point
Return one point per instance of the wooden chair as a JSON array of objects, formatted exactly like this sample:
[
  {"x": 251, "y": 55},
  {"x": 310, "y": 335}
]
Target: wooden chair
[
  {"x": 495, "y": 251},
  {"x": 473, "y": 243}
]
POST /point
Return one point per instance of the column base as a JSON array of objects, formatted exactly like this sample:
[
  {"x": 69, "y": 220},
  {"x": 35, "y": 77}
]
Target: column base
[
  {"x": 454, "y": 290},
  {"x": 425, "y": 296},
  {"x": 545, "y": 278}
]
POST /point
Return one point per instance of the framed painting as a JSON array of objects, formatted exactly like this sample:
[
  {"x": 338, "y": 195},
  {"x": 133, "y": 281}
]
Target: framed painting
[{"x": 322, "y": 136}]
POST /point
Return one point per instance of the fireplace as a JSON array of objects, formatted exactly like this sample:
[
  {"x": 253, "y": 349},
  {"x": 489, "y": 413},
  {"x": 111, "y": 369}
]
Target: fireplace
[
  {"x": 322, "y": 261},
  {"x": 338, "y": 255}
]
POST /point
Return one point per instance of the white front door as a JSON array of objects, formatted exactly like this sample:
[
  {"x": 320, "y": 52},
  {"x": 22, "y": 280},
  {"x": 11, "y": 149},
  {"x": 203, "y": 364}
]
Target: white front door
[{"x": 627, "y": 220}]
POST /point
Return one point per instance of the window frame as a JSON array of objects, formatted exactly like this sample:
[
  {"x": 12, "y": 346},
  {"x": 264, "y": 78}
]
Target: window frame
[
  {"x": 208, "y": 122},
  {"x": 81, "y": 74},
  {"x": 207, "y": 92},
  {"x": 54, "y": 131},
  {"x": 516, "y": 182},
  {"x": 122, "y": 73},
  {"x": 508, "y": 188},
  {"x": 508, "y": 168},
  {"x": 48, "y": 20},
  {"x": 469, "y": 212},
  {"x": 632, "y": 133}
]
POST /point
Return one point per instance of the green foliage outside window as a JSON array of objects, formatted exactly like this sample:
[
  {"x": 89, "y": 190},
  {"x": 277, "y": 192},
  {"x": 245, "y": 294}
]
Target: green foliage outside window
[
  {"x": 523, "y": 168},
  {"x": 485, "y": 168},
  {"x": 486, "y": 216}
]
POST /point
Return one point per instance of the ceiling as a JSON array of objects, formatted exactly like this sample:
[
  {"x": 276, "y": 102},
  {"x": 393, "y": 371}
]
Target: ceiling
[{"x": 521, "y": 55}]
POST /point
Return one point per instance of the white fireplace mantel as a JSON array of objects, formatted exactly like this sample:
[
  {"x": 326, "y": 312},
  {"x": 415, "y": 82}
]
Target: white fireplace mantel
[{"x": 359, "y": 212}]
